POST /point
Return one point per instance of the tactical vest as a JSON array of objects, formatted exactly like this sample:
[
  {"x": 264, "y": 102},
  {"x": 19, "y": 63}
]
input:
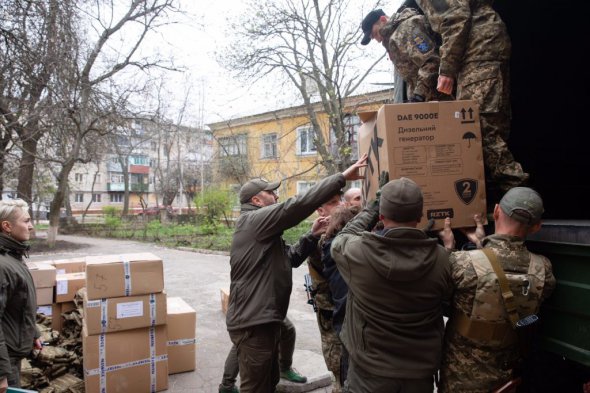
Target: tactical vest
[{"x": 489, "y": 324}]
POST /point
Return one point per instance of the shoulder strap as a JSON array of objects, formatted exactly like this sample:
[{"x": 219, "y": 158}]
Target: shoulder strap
[{"x": 507, "y": 294}]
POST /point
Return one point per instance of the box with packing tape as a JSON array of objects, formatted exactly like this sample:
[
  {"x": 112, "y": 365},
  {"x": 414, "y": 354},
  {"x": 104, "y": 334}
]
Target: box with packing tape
[
  {"x": 182, "y": 346},
  {"x": 124, "y": 313},
  {"x": 72, "y": 265},
  {"x": 66, "y": 286},
  {"x": 436, "y": 144},
  {"x": 44, "y": 275},
  {"x": 123, "y": 275},
  {"x": 127, "y": 361}
]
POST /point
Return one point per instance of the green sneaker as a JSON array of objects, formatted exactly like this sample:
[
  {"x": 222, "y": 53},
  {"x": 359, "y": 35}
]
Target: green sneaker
[
  {"x": 233, "y": 389},
  {"x": 293, "y": 376}
]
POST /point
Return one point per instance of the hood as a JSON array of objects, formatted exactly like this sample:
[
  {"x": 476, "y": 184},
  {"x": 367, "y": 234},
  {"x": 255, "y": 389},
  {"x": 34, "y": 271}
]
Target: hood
[
  {"x": 395, "y": 20},
  {"x": 401, "y": 254}
]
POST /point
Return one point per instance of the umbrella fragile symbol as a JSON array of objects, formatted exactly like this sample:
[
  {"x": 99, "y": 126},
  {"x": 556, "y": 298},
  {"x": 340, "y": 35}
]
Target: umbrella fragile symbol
[{"x": 469, "y": 136}]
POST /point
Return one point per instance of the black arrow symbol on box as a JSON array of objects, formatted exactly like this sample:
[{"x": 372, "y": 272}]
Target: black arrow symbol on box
[
  {"x": 463, "y": 113},
  {"x": 470, "y": 113}
]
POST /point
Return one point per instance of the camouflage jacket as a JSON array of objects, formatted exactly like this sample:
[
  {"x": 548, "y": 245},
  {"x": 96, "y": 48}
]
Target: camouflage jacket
[
  {"x": 471, "y": 31},
  {"x": 323, "y": 295},
  {"x": 411, "y": 45},
  {"x": 468, "y": 366}
]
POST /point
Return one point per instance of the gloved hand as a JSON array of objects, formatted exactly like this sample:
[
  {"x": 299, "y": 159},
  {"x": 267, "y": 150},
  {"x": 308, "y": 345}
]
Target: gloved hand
[
  {"x": 417, "y": 98},
  {"x": 383, "y": 180}
]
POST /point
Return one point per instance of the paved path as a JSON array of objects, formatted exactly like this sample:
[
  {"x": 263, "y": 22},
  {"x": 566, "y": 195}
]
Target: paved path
[{"x": 198, "y": 278}]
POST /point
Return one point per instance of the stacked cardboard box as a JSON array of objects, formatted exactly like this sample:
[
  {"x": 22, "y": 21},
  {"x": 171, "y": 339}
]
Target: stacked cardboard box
[
  {"x": 124, "y": 336},
  {"x": 44, "y": 278},
  {"x": 437, "y": 145},
  {"x": 182, "y": 347}
]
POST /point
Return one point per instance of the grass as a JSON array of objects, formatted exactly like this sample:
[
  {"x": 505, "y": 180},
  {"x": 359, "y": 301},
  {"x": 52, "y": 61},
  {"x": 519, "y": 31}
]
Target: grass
[{"x": 203, "y": 236}]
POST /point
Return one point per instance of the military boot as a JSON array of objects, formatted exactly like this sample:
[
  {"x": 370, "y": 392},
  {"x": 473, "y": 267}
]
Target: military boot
[
  {"x": 233, "y": 389},
  {"x": 293, "y": 376}
]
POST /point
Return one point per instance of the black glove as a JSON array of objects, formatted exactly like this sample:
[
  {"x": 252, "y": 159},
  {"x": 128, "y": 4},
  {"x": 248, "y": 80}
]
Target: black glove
[{"x": 417, "y": 98}]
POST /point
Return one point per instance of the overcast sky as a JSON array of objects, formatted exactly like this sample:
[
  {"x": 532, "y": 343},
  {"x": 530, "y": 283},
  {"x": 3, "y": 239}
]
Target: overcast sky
[{"x": 193, "y": 43}]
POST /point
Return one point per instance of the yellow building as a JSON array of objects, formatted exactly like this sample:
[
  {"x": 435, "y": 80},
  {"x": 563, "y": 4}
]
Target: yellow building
[{"x": 279, "y": 145}]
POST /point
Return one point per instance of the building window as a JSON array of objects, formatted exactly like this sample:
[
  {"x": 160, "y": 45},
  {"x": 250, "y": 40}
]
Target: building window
[
  {"x": 98, "y": 178},
  {"x": 352, "y": 123},
  {"x": 79, "y": 177},
  {"x": 96, "y": 197},
  {"x": 303, "y": 186},
  {"x": 235, "y": 145},
  {"x": 117, "y": 198},
  {"x": 269, "y": 146},
  {"x": 117, "y": 178},
  {"x": 79, "y": 198},
  {"x": 139, "y": 160},
  {"x": 153, "y": 146},
  {"x": 305, "y": 140}
]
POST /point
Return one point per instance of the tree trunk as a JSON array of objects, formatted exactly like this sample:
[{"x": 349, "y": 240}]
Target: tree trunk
[
  {"x": 26, "y": 170},
  {"x": 57, "y": 202}
]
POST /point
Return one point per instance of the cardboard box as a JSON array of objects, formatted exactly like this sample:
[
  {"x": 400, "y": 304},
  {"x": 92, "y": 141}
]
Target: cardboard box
[
  {"x": 182, "y": 342},
  {"x": 437, "y": 145},
  {"x": 44, "y": 296},
  {"x": 124, "y": 313},
  {"x": 66, "y": 286},
  {"x": 73, "y": 265},
  {"x": 57, "y": 311},
  {"x": 127, "y": 361},
  {"x": 124, "y": 275},
  {"x": 43, "y": 274},
  {"x": 224, "y": 299}
]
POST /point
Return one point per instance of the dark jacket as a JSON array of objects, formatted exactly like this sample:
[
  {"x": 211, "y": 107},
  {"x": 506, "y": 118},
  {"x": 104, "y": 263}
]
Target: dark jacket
[
  {"x": 397, "y": 283},
  {"x": 18, "y": 304},
  {"x": 338, "y": 287},
  {"x": 261, "y": 277}
]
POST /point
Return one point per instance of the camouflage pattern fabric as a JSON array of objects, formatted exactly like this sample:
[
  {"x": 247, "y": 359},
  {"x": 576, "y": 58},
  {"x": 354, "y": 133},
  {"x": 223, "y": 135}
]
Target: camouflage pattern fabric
[
  {"x": 58, "y": 367},
  {"x": 331, "y": 344},
  {"x": 488, "y": 84},
  {"x": 468, "y": 366},
  {"x": 471, "y": 30},
  {"x": 475, "y": 51},
  {"x": 411, "y": 46}
]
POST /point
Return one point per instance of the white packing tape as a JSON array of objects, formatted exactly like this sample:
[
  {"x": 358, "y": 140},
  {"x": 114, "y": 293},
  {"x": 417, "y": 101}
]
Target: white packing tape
[
  {"x": 153, "y": 359},
  {"x": 127, "y": 269},
  {"x": 152, "y": 309},
  {"x": 183, "y": 341},
  {"x": 102, "y": 363}
]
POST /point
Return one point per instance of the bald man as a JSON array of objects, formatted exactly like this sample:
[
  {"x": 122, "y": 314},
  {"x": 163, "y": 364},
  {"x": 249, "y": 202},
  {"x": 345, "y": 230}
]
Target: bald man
[{"x": 353, "y": 197}]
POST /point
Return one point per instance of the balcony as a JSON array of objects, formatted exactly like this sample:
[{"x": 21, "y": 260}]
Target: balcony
[
  {"x": 139, "y": 169},
  {"x": 115, "y": 186},
  {"x": 139, "y": 187}
]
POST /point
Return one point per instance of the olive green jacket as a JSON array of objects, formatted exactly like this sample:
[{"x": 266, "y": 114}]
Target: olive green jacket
[
  {"x": 261, "y": 262},
  {"x": 18, "y": 305},
  {"x": 397, "y": 279}
]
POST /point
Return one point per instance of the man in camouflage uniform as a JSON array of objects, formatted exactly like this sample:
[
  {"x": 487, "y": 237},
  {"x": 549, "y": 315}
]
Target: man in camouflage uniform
[
  {"x": 411, "y": 46},
  {"x": 481, "y": 346},
  {"x": 475, "y": 53},
  {"x": 331, "y": 344}
]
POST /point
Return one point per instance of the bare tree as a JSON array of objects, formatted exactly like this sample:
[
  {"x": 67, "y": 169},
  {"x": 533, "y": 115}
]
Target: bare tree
[
  {"x": 91, "y": 93},
  {"x": 313, "y": 45},
  {"x": 35, "y": 37}
]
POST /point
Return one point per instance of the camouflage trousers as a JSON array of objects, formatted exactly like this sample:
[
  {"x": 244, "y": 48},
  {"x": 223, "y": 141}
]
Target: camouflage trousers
[
  {"x": 488, "y": 83},
  {"x": 331, "y": 347}
]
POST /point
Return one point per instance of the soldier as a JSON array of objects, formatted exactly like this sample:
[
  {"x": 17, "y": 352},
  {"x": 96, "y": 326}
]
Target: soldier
[
  {"x": 481, "y": 344},
  {"x": 398, "y": 279},
  {"x": 353, "y": 197},
  {"x": 261, "y": 277},
  {"x": 411, "y": 46},
  {"x": 475, "y": 55},
  {"x": 331, "y": 344}
]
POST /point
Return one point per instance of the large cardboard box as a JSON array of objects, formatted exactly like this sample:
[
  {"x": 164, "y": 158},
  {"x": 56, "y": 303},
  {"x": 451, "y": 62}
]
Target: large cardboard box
[
  {"x": 182, "y": 343},
  {"x": 224, "y": 299},
  {"x": 72, "y": 265},
  {"x": 126, "y": 361},
  {"x": 43, "y": 274},
  {"x": 57, "y": 311},
  {"x": 436, "y": 144},
  {"x": 123, "y": 275},
  {"x": 66, "y": 286},
  {"x": 44, "y": 296},
  {"x": 124, "y": 313}
]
